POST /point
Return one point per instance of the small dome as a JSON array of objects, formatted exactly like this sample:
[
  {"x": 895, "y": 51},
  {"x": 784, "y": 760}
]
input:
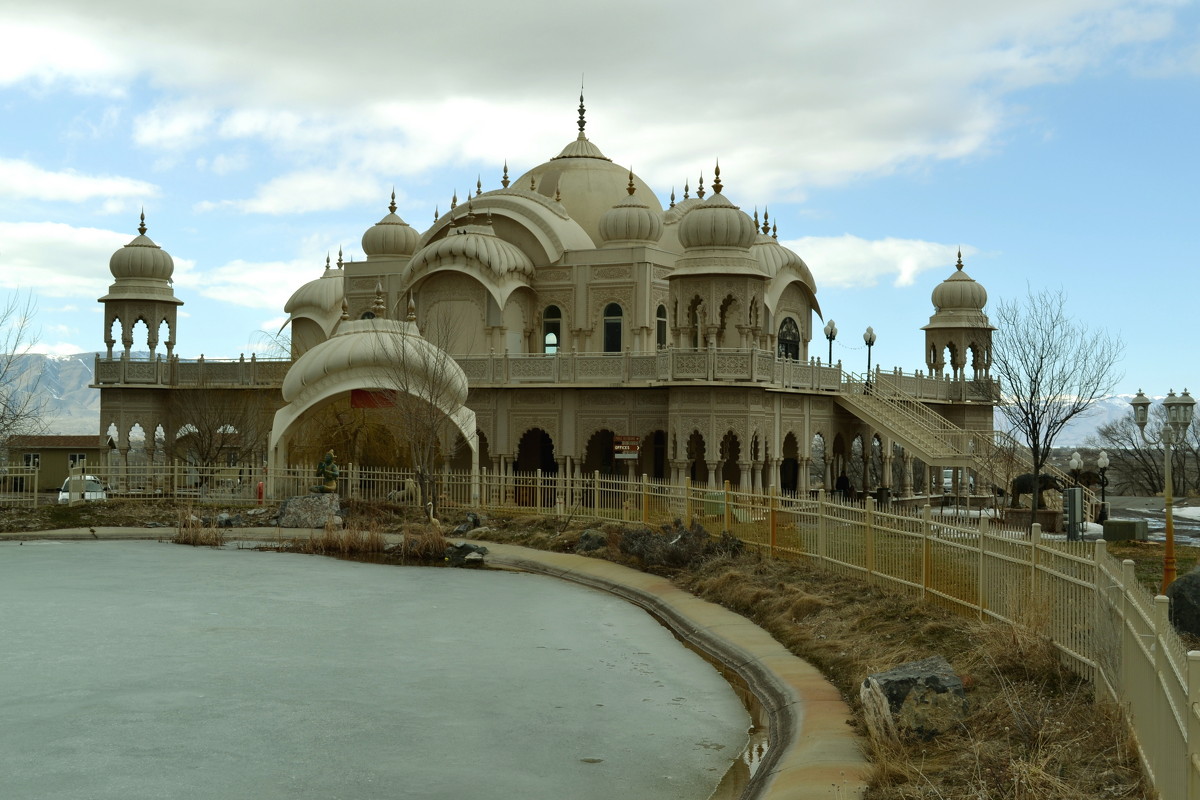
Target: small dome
[
  {"x": 141, "y": 259},
  {"x": 716, "y": 223},
  {"x": 391, "y": 236},
  {"x": 630, "y": 220},
  {"x": 322, "y": 295},
  {"x": 959, "y": 292}
]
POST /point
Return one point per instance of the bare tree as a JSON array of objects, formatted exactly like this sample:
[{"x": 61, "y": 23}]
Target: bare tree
[
  {"x": 21, "y": 404},
  {"x": 214, "y": 427},
  {"x": 1051, "y": 369},
  {"x": 422, "y": 385},
  {"x": 1137, "y": 467}
]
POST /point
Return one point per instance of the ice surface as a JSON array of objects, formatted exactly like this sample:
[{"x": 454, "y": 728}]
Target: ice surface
[{"x": 149, "y": 670}]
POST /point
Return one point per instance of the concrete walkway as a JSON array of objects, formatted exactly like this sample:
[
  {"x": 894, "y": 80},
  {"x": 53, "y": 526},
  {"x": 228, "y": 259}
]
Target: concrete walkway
[{"x": 813, "y": 752}]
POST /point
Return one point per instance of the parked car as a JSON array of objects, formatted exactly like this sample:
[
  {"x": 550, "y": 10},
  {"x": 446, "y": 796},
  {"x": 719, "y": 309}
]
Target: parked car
[{"x": 93, "y": 490}]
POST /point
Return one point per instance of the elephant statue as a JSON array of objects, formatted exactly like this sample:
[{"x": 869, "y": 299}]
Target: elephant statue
[{"x": 1023, "y": 484}]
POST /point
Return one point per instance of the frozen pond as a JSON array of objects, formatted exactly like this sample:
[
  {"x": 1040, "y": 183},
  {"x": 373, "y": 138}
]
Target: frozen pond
[{"x": 150, "y": 670}]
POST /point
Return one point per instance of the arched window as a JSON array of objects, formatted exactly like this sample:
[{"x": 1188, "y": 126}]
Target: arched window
[
  {"x": 660, "y": 327},
  {"x": 789, "y": 339},
  {"x": 612, "y": 328},
  {"x": 551, "y": 329}
]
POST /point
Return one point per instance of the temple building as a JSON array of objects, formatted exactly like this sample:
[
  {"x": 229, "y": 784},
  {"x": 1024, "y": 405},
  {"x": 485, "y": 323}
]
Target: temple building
[{"x": 565, "y": 322}]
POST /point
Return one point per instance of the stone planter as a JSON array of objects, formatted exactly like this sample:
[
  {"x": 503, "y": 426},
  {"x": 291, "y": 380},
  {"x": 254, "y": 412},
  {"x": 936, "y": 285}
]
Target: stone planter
[{"x": 1049, "y": 519}]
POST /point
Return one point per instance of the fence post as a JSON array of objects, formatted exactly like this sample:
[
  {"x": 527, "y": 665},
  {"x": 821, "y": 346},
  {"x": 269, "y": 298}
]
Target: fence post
[
  {"x": 1193, "y": 724},
  {"x": 984, "y": 527},
  {"x": 354, "y": 480},
  {"x": 1035, "y": 543},
  {"x": 926, "y": 548},
  {"x": 821, "y": 525},
  {"x": 645, "y": 502},
  {"x": 596, "y": 493},
  {"x": 869, "y": 555},
  {"x": 773, "y": 517},
  {"x": 727, "y": 522},
  {"x": 687, "y": 502},
  {"x": 1129, "y": 649},
  {"x": 537, "y": 489}
]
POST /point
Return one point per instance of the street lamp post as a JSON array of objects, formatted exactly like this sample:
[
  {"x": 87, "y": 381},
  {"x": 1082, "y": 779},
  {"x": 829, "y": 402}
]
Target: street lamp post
[
  {"x": 1102, "y": 466},
  {"x": 1179, "y": 416},
  {"x": 1075, "y": 464},
  {"x": 1073, "y": 533},
  {"x": 830, "y": 334},
  {"x": 869, "y": 339}
]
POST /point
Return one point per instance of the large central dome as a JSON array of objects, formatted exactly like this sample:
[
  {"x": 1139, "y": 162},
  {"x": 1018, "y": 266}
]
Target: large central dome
[{"x": 586, "y": 182}]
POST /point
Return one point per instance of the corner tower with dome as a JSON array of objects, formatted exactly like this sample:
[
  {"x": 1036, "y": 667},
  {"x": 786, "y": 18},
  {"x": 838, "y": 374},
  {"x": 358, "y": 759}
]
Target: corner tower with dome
[{"x": 580, "y": 313}]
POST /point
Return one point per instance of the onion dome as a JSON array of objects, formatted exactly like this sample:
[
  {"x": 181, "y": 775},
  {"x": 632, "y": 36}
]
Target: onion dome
[
  {"x": 630, "y": 221},
  {"x": 472, "y": 246},
  {"x": 716, "y": 223},
  {"x": 583, "y": 181},
  {"x": 390, "y": 237},
  {"x": 141, "y": 259},
  {"x": 959, "y": 292}
]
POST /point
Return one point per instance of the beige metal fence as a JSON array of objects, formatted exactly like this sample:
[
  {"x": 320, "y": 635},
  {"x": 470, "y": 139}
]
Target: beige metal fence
[{"x": 18, "y": 486}]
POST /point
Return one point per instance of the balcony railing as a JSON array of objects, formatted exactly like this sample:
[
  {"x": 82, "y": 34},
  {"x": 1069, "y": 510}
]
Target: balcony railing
[{"x": 175, "y": 371}]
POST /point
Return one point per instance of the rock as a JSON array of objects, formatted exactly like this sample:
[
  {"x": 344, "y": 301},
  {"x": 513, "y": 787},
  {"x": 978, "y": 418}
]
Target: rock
[
  {"x": 465, "y": 554},
  {"x": 473, "y": 519},
  {"x": 462, "y": 530},
  {"x": 254, "y": 512},
  {"x": 922, "y": 697},
  {"x": 1184, "y": 594},
  {"x": 309, "y": 511},
  {"x": 591, "y": 539}
]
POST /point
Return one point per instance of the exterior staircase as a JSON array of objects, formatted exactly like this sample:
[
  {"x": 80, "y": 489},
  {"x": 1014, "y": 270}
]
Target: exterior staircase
[{"x": 995, "y": 457}]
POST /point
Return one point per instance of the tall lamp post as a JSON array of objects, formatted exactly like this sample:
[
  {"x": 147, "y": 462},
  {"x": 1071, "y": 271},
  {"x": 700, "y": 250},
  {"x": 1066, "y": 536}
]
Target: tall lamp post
[
  {"x": 1102, "y": 467},
  {"x": 869, "y": 340},
  {"x": 1179, "y": 415},
  {"x": 1075, "y": 464},
  {"x": 830, "y": 334}
]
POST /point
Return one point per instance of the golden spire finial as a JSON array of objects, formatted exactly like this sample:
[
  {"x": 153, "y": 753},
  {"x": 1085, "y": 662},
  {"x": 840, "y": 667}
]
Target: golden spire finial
[
  {"x": 454, "y": 200},
  {"x": 436, "y": 215},
  {"x": 345, "y": 310},
  {"x": 700, "y": 187},
  {"x": 142, "y": 225},
  {"x": 756, "y": 216},
  {"x": 339, "y": 257},
  {"x": 717, "y": 178},
  {"x": 582, "y": 121},
  {"x": 558, "y": 194},
  {"x": 766, "y": 226},
  {"x": 959, "y": 265},
  {"x": 478, "y": 185},
  {"x": 672, "y": 198},
  {"x": 504, "y": 180},
  {"x": 775, "y": 230},
  {"x": 685, "y": 190},
  {"x": 328, "y": 264},
  {"x": 631, "y": 188},
  {"x": 392, "y": 205},
  {"x": 532, "y": 184},
  {"x": 412, "y": 308}
]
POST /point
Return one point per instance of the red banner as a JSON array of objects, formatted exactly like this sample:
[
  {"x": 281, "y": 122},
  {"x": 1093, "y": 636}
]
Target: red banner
[{"x": 368, "y": 398}]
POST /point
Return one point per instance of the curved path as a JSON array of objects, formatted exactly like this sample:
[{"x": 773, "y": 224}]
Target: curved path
[{"x": 813, "y": 751}]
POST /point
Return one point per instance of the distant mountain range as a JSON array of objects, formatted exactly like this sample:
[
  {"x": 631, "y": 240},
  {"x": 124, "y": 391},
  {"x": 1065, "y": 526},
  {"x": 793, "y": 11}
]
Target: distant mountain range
[{"x": 73, "y": 408}]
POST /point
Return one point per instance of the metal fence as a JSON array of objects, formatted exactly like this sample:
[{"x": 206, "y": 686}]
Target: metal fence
[{"x": 1107, "y": 627}]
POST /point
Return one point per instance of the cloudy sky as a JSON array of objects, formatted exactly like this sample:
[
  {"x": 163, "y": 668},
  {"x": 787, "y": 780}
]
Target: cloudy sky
[{"x": 1053, "y": 141}]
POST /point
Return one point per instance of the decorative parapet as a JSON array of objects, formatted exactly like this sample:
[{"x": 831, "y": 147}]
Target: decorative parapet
[{"x": 174, "y": 371}]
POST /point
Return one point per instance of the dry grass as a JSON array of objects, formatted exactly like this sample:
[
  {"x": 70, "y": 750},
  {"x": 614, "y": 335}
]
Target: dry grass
[
  {"x": 191, "y": 530},
  {"x": 1034, "y": 731},
  {"x": 348, "y": 542},
  {"x": 422, "y": 542}
]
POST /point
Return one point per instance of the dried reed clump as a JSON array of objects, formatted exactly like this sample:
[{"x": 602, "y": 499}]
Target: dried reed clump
[
  {"x": 422, "y": 543},
  {"x": 344, "y": 542},
  {"x": 191, "y": 530}
]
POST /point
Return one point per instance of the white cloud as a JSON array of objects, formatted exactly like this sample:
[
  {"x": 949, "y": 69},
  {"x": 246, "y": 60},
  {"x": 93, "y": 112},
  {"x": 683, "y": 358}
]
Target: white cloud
[
  {"x": 47, "y": 52},
  {"x": 853, "y": 262},
  {"x": 303, "y": 191},
  {"x": 261, "y": 284},
  {"x": 814, "y": 94},
  {"x": 23, "y": 180},
  {"x": 57, "y": 260}
]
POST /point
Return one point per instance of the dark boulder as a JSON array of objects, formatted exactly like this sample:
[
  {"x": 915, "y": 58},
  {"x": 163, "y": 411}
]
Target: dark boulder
[
  {"x": 1184, "y": 594},
  {"x": 924, "y": 698},
  {"x": 465, "y": 554}
]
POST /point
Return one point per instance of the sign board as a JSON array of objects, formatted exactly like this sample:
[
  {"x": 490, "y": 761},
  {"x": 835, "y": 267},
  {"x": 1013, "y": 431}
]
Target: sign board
[{"x": 626, "y": 446}]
